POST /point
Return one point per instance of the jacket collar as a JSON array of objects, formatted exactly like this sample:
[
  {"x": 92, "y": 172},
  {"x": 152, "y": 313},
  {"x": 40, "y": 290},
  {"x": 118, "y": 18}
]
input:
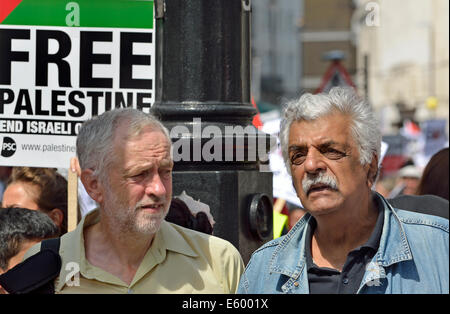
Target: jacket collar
[
  {"x": 289, "y": 257},
  {"x": 394, "y": 246}
]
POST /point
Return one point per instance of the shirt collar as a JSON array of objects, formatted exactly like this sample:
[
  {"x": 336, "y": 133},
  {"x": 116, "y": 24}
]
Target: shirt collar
[
  {"x": 393, "y": 246},
  {"x": 170, "y": 239},
  {"x": 312, "y": 224},
  {"x": 166, "y": 239},
  {"x": 374, "y": 240},
  {"x": 72, "y": 248}
]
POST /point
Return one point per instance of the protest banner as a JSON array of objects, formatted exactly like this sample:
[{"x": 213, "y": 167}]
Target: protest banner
[{"x": 62, "y": 62}]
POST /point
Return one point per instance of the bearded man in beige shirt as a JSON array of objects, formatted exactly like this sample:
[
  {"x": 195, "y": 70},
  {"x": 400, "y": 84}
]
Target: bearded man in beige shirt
[{"x": 126, "y": 246}]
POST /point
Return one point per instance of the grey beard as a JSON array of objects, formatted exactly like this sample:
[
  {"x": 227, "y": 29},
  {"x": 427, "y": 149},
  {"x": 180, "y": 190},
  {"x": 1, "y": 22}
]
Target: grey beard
[{"x": 125, "y": 219}]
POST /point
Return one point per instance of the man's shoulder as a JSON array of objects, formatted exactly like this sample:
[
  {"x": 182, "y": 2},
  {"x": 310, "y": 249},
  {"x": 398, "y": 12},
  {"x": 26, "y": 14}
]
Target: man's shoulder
[
  {"x": 420, "y": 220},
  {"x": 271, "y": 246},
  {"x": 201, "y": 242},
  {"x": 187, "y": 233},
  {"x": 220, "y": 255}
]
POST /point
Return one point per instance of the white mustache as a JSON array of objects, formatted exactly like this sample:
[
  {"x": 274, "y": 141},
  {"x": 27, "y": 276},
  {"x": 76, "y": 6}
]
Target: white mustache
[{"x": 321, "y": 178}]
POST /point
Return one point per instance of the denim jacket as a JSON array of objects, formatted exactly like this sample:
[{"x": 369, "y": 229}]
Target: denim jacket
[{"x": 413, "y": 257}]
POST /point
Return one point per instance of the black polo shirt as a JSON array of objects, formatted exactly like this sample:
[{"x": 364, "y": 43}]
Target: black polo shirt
[{"x": 323, "y": 280}]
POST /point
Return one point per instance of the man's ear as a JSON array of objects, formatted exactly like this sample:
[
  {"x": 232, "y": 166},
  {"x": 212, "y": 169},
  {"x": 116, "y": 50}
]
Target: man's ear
[
  {"x": 57, "y": 216},
  {"x": 92, "y": 185},
  {"x": 373, "y": 171}
]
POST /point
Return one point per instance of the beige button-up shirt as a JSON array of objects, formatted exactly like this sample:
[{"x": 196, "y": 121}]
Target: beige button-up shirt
[{"x": 179, "y": 260}]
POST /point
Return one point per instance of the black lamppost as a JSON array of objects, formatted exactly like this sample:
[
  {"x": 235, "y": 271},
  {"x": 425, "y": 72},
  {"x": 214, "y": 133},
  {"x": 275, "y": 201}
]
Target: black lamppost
[{"x": 203, "y": 98}]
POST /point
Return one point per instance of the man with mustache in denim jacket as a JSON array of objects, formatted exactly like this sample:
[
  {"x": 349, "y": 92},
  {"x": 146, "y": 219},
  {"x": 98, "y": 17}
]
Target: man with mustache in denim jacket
[{"x": 351, "y": 240}]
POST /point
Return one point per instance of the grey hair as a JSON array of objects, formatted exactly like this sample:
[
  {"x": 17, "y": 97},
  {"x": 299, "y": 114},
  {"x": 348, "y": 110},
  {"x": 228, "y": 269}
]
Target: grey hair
[
  {"x": 18, "y": 225},
  {"x": 365, "y": 127},
  {"x": 95, "y": 140}
]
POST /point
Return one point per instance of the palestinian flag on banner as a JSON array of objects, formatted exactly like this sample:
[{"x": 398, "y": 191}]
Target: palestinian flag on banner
[{"x": 89, "y": 13}]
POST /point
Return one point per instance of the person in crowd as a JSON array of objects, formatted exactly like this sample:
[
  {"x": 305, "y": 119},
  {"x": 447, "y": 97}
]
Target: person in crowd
[
  {"x": 181, "y": 215},
  {"x": 385, "y": 185},
  {"x": 126, "y": 246},
  {"x": 85, "y": 202},
  {"x": 5, "y": 172},
  {"x": 434, "y": 178},
  {"x": 409, "y": 178},
  {"x": 431, "y": 195},
  {"x": 21, "y": 228},
  {"x": 350, "y": 240},
  {"x": 42, "y": 189},
  {"x": 426, "y": 204}
]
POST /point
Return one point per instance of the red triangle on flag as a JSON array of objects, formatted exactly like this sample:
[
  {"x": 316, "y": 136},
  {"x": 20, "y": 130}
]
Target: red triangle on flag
[
  {"x": 256, "y": 119},
  {"x": 6, "y": 7},
  {"x": 412, "y": 128}
]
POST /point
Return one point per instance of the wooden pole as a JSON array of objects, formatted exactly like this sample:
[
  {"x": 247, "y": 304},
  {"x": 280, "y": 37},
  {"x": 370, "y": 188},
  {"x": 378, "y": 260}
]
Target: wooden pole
[{"x": 72, "y": 200}]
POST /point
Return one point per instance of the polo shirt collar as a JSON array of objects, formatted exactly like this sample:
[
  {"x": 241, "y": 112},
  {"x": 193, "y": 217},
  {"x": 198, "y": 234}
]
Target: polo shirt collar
[
  {"x": 72, "y": 248},
  {"x": 166, "y": 239},
  {"x": 374, "y": 240}
]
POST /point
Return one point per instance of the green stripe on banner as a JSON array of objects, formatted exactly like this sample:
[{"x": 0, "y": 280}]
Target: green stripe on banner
[{"x": 92, "y": 13}]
